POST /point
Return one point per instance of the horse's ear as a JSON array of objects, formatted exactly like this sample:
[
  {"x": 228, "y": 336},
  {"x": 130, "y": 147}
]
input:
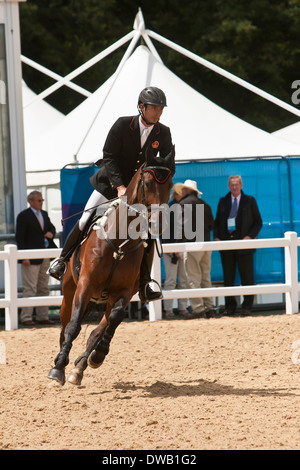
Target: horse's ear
[
  {"x": 149, "y": 157},
  {"x": 168, "y": 161},
  {"x": 170, "y": 158}
]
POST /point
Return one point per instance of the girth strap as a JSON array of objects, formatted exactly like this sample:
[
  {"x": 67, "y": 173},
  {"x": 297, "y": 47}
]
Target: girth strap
[{"x": 118, "y": 255}]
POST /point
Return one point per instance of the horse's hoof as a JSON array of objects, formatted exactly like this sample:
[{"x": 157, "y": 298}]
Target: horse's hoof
[
  {"x": 58, "y": 375},
  {"x": 75, "y": 376},
  {"x": 92, "y": 360}
]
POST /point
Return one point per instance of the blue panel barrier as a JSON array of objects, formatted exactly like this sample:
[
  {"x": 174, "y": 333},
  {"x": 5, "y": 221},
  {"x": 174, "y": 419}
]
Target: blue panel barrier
[
  {"x": 75, "y": 191},
  {"x": 274, "y": 182}
]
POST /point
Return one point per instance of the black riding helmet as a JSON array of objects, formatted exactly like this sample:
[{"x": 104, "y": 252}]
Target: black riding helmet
[{"x": 152, "y": 95}]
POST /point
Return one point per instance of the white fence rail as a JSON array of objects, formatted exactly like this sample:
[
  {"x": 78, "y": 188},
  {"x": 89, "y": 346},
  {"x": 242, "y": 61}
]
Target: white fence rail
[{"x": 11, "y": 302}]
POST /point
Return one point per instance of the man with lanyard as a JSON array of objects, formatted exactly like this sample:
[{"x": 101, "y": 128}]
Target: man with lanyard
[
  {"x": 123, "y": 154},
  {"x": 238, "y": 218}
]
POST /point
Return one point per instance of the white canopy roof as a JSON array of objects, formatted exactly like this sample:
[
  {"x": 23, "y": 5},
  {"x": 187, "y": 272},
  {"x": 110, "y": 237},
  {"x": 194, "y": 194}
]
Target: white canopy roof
[
  {"x": 200, "y": 129},
  {"x": 38, "y": 119},
  {"x": 290, "y": 133}
]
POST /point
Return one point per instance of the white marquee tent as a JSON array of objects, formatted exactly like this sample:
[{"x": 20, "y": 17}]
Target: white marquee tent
[
  {"x": 290, "y": 133},
  {"x": 38, "y": 119},
  {"x": 200, "y": 129}
]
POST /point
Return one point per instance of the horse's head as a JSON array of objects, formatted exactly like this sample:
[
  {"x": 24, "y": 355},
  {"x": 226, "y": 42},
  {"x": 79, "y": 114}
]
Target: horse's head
[
  {"x": 156, "y": 175},
  {"x": 147, "y": 195},
  {"x": 156, "y": 183}
]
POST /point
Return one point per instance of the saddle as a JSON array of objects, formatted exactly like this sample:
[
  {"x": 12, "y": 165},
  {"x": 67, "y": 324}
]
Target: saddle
[{"x": 98, "y": 217}]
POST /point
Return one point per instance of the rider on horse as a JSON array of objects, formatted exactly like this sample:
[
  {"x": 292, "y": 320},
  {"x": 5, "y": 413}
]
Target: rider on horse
[{"x": 123, "y": 153}]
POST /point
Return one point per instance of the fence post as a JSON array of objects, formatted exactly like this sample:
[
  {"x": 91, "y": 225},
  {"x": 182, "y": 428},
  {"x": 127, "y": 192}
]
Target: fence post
[
  {"x": 11, "y": 287},
  {"x": 155, "y": 308},
  {"x": 291, "y": 273}
]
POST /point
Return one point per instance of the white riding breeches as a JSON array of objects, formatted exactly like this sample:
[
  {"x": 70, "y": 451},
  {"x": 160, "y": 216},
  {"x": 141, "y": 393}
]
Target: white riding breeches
[{"x": 95, "y": 199}]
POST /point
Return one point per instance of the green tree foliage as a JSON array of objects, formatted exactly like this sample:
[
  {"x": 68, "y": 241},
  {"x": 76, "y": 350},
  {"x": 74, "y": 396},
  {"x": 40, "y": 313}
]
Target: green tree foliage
[{"x": 256, "y": 40}]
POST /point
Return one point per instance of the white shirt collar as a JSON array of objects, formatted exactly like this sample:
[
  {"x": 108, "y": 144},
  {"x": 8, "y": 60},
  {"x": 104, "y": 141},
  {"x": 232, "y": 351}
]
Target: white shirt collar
[
  {"x": 237, "y": 199},
  {"x": 34, "y": 210},
  {"x": 143, "y": 127}
]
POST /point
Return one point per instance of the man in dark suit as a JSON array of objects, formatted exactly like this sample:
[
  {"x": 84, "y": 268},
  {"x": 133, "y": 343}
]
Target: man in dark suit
[
  {"x": 123, "y": 153},
  {"x": 34, "y": 230},
  {"x": 238, "y": 218}
]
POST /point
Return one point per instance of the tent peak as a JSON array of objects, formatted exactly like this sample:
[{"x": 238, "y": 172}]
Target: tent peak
[{"x": 139, "y": 23}]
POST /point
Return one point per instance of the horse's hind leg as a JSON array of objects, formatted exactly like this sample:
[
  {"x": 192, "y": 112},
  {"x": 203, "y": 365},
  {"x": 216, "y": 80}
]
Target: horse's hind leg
[{"x": 101, "y": 350}]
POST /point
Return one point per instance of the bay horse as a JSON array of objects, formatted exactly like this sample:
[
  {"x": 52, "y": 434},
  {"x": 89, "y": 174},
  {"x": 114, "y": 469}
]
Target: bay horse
[{"x": 110, "y": 267}]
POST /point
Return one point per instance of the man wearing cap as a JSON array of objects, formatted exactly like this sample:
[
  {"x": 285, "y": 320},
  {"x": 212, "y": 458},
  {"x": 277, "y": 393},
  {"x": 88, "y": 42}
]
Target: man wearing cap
[
  {"x": 174, "y": 262},
  {"x": 197, "y": 263},
  {"x": 123, "y": 154},
  {"x": 238, "y": 218}
]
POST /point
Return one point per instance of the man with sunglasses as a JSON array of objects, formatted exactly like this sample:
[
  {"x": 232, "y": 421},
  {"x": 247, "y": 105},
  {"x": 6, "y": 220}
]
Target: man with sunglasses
[
  {"x": 123, "y": 154},
  {"x": 35, "y": 230}
]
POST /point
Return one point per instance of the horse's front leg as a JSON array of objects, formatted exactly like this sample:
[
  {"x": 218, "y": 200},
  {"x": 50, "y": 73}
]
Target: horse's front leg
[
  {"x": 71, "y": 332},
  {"x": 81, "y": 363},
  {"x": 101, "y": 350}
]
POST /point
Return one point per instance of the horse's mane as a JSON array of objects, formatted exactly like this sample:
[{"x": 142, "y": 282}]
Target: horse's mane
[
  {"x": 153, "y": 161},
  {"x": 132, "y": 189}
]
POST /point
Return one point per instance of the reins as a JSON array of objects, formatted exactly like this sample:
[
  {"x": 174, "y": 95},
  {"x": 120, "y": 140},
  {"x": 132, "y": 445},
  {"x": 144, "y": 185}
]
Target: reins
[
  {"x": 86, "y": 210},
  {"x": 119, "y": 252},
  {"x": 150, "y": 169},
  {"x": 117, "y": 255}
]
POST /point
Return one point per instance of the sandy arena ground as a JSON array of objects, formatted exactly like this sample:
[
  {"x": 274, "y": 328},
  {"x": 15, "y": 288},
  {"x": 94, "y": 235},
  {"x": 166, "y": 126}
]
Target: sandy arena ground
[{"x": 226, "y": 383}]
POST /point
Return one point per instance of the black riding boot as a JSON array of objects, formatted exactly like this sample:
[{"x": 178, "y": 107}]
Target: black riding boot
[
  {"x": 58, "y": 267},
  {"x": 145, "y": 292}
]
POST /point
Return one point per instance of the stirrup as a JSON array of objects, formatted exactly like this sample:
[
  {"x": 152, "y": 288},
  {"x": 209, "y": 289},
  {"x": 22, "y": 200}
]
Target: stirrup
[
  {"x": 143, "y": 292},
  {"x": 53, "y": 264}
]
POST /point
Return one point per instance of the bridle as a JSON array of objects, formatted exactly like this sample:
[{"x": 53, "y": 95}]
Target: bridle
[
  {"x": 145, "y": 212},
  {"x": 155, "y": 171},
  {"x": 119, "y": 252}
]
